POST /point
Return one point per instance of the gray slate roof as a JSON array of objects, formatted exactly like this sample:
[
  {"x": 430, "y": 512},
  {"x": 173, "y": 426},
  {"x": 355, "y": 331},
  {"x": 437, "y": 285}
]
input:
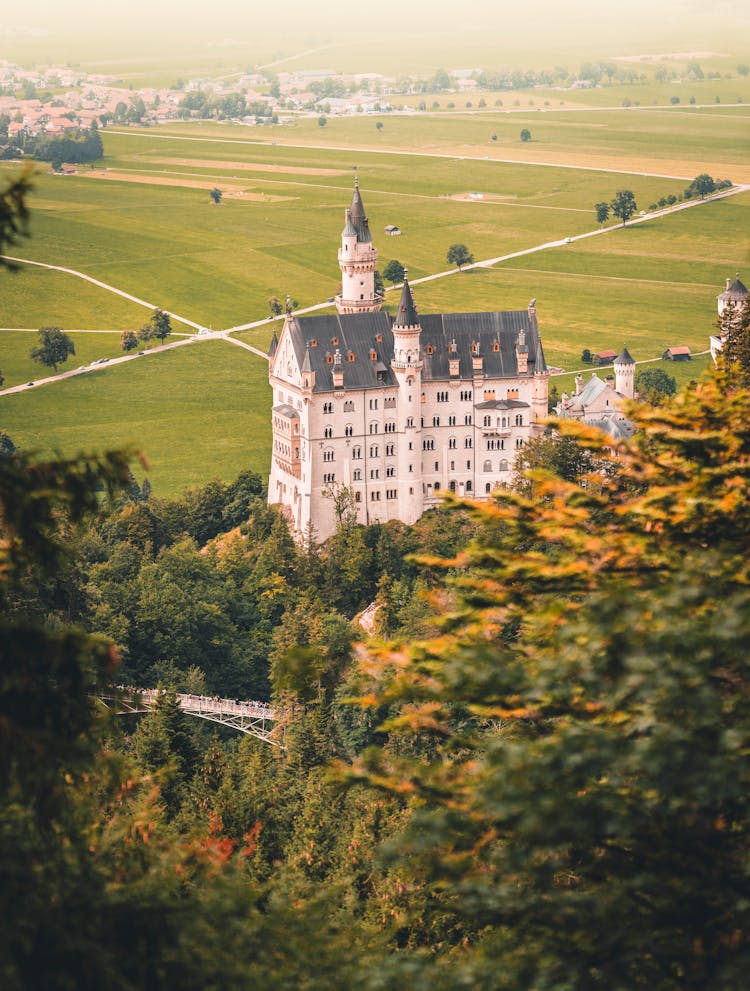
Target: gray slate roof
[
  {"x": 358, "y": 216},
  {"x": 358, "y": 333},
  {"x": 735, "y": 291},
  {"x": 624, "y": 358}
]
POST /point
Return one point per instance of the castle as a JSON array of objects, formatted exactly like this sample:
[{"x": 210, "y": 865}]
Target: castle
[{"x": 393, "y": 410}]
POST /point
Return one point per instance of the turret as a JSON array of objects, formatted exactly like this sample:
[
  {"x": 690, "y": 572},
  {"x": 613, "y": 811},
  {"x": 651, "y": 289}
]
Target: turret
[
  {"x": 406, "y": 331},
  {"x": 624, "y": 365}
]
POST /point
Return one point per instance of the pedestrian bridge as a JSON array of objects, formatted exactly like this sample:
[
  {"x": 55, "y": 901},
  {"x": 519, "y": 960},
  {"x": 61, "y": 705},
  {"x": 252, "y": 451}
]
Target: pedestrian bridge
[{"x": 252, "y": 718}]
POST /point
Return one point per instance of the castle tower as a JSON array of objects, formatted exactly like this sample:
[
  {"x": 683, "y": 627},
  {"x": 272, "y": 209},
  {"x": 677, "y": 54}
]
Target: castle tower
[
  {"x": 734, "y": 295},
  {"x": 406, "y": 366},
  {"x": 624, "y": 366},
  {"x": 357, "y": 261}
]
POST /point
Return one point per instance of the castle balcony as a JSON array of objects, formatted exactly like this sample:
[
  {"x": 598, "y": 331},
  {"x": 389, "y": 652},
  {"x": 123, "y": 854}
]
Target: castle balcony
[{"x": 495, "y": 431}]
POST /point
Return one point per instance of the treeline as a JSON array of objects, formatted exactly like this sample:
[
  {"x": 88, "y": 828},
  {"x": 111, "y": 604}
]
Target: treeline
[
  {"x": 206, "y": 106},
  {"x": 76, "y": 145},
  {"x": 539, "y": 770}
]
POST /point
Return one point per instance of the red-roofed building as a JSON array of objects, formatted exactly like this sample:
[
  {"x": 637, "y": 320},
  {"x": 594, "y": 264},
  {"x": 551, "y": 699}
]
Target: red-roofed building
[{"x": 681, "y": 353}]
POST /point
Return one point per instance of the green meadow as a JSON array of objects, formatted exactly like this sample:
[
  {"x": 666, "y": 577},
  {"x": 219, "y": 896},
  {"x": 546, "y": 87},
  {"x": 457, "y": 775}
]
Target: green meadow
[
  {"x": 195, "y": 413},
  {"x": 202, "y": 411}
]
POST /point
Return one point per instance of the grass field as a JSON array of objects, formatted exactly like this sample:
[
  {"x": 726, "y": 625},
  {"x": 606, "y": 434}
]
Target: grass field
[
  {"x": 193, "y": 410},
  {"x": 196, "y": 413}
]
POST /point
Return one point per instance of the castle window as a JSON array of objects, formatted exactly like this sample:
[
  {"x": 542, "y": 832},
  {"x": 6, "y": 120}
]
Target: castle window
[
  {"x": 468, "y": 465},
  {"x": 390, "y": 471},
  {"x": 348, "y": 406},
  {"x": 373, "y": 404},
  {"x": 488, "y": 487},
  {"x": 475, "y": 347},
  {"x": 374, "y": 451},
  {"x": 328, "y": 432},
  {"x": 358, "y": 497},
  {"x": 374, "y": 473},
  {"x": 329, "y": 479},
  {"x": 487, "y": 421},
  {"x": 430, "y": 349},
  {"x": 391, "y": 494},
  {"x": 328, "y": 454},
  {"x": 356, "y": 453},
  {"x": 351, "y": 356},
  {"x": 390, "y": 450},
  {"x": 468, "y": 486},
  {"x": 373, "y": 428},
  {"x": 357, "y": 475},
  {"x": 436, "y": 421},
  {"x": 452, "y": 443},
  {"x": 519, "y": 441},
  {"x": 496, "y": 346},
  {"x": 348, "y": 430},
  {"x": 423, "y": 397},
  {"x": 451, "y": 421},
  {"x": 519, "y": 420},
  {"x": 373, "y": 355},
  {"x": 379, "y": 338},
  {"x": 487, "y": 466},
  {"x": 328, "y": 407},
  {"x": 335, "y": 341},
  {"x": 313, "y": 343},
  {"x": 467, "y": 442},
  {"x": 329, "y": 358},
  {"x": 410, "y": 421},
  {"x": 437, "y": 466},
  {"x": 503, "y": 466}
]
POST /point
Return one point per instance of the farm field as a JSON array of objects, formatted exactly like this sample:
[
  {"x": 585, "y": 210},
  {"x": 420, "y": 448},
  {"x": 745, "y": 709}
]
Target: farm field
[
  {"x": 196, "y": 413},
  {"x": 673, "y": 140},
  {"x": 276, "y": 232}
]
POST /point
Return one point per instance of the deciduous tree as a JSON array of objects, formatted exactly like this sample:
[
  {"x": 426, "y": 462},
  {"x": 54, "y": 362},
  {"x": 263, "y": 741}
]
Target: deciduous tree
[
  {"x": 128, "y": 340},
  {"x": 602, "y": 212},
  {"x": 161, "y": 325},
  {"x": 54, "y": 347},
  {"x": 394, "y": 272},
  {"x": 459, "y": 254},
  {"x": 624, "y": 205}
]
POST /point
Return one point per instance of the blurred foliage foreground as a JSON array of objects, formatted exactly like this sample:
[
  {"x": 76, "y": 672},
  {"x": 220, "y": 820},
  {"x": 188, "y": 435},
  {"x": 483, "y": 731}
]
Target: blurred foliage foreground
[{"x": 563, "y": 769}]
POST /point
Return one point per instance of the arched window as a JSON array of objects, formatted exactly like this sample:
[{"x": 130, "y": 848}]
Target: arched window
[
  {"x": 487, "y": 466},
  {"x": 503, "y": 466}
]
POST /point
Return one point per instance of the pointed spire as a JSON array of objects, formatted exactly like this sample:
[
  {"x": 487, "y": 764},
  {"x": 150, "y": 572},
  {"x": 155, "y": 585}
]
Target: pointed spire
[
  {"x": 349, "y": 229},
  {"x": 358, "y": 215},
  {"x": 273, "y": 345},
  {"x": 406, "y": 315},
  {"x": 306, "y": 364}
]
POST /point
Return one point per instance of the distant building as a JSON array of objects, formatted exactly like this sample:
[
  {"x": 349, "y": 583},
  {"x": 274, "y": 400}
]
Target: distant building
[
  {"x": 603, "y": 357},
  {"x": 396, "y": 409},
  {"x": 391, "y": 230},
  {"x": 735, "y": 295},
  {"x": 599, "y": 402},
  {"x": 677, "y": 354}
]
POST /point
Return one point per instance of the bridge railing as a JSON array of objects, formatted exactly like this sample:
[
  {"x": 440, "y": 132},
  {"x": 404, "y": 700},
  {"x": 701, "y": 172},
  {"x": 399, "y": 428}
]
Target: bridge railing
[{"x": 249, "y": 717}]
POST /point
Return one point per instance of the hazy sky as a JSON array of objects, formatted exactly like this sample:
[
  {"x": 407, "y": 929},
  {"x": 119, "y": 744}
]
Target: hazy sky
[{"x": 417, "y": 30}]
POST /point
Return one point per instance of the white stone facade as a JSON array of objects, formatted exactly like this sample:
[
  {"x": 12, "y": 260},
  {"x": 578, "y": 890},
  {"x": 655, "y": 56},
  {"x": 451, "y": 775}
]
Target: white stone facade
[{"x": 398, "y": 410}]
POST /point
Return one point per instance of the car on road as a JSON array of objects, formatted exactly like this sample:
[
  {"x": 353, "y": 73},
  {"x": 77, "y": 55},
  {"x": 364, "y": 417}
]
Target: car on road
[{"x": 29, "y": 383}]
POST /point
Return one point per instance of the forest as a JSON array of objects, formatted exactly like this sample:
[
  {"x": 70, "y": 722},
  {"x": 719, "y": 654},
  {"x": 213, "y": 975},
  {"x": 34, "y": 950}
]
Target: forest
[{"x": 533, "y": 773}]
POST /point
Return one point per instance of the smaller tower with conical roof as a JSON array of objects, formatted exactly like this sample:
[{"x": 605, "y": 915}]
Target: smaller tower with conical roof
[
  {"x": 357, "y": 260},
  {"x": 406, "y": 366},
  {"x": 624, "y": 365}
]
